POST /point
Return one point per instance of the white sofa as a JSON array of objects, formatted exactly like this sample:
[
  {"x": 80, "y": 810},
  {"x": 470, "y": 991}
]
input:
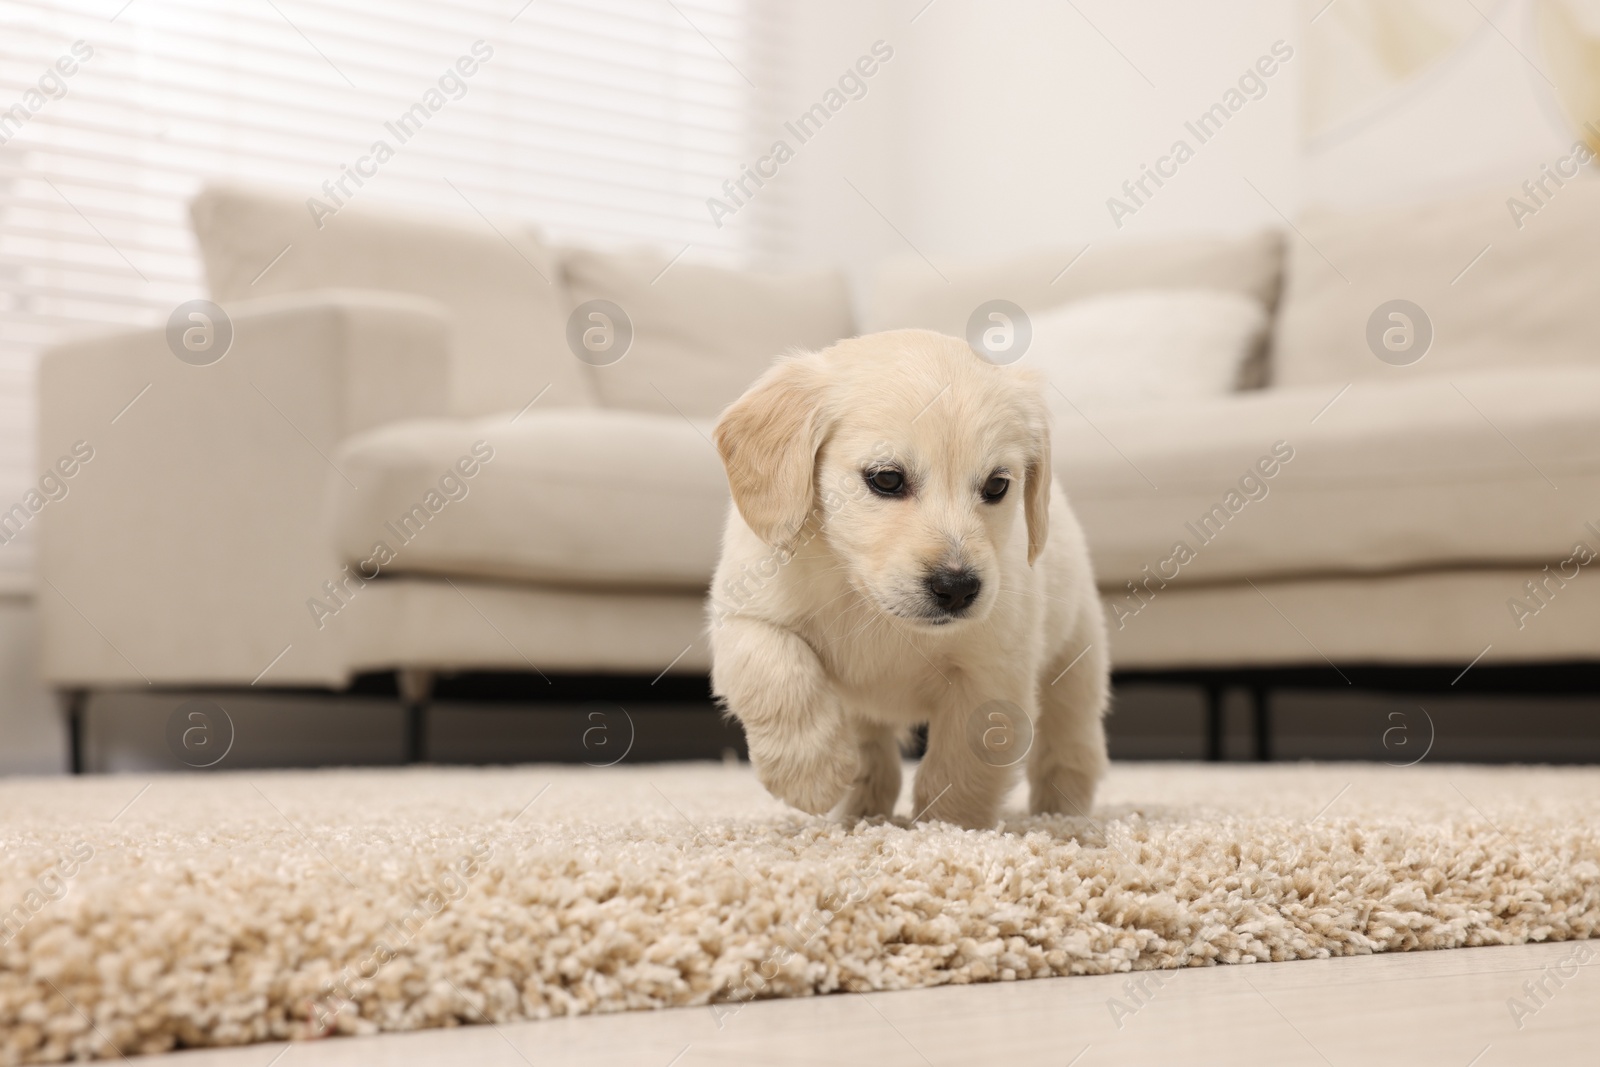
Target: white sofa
[{"x": 372, "y": 357}]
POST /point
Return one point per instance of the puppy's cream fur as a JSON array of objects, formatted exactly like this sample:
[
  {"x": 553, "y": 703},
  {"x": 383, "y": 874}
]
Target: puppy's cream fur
[{"x": 826, "y": 642}]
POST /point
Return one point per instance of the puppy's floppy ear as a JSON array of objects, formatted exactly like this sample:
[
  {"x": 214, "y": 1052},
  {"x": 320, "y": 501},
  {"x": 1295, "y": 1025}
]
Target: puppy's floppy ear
[
  {"x": 769, "y": 439},
  {"x": 1037, "y": 478}
]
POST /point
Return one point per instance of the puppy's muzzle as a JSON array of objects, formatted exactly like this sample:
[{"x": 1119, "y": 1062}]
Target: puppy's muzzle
[{"x": 953, "y": 590}]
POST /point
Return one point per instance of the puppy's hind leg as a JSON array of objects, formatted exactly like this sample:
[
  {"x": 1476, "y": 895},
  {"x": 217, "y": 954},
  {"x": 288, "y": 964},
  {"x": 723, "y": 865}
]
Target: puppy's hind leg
[
  {"x": 1068, "y": 757},
  {"x": 877, "y": 784}
]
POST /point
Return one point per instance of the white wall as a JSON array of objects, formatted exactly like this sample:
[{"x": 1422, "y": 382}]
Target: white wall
[
  {"x": 828, "y": 38},
  {"x": 1001, "y": 126},
  {"x": 1019, "y": 121},
  {"x": 1004, "y": 124}
]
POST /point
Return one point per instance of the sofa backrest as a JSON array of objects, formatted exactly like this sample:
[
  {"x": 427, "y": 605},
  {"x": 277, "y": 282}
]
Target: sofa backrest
[
  {"x": 701, "y": 334},
  {"x": 1503, "y": 282},
  {"x": 907, "y": 293},
  {"x": 504, "y": 289}
]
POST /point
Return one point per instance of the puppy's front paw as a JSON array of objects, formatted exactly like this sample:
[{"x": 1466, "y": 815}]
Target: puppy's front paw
[{"x": 811, "y": 774}]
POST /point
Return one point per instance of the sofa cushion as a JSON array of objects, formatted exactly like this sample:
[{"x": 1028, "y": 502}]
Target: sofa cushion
[
  {"x": 702, "y": 334},
  {"x": 1500, "y": 288},
  {"x": 1144, "y": 346},
  {"x": 1389, "y": 477},
  {"x": 600, "y": 498},
  {"x": 507, "y": 304},
  {"x": 906, "y": 293}
]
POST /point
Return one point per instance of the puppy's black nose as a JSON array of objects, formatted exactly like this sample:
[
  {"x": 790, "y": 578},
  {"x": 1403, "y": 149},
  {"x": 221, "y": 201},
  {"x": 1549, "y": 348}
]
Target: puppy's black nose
[{"x": 954, "y": 590}]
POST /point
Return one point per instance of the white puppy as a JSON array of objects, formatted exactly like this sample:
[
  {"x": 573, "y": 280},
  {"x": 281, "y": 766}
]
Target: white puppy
[{"x": 898, "y": 554}]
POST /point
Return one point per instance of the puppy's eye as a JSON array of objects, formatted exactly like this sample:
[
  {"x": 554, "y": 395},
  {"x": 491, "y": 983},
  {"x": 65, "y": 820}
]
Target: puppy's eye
[
  {"x": 888, "y": 481},
  {"x": 996, "y": 487}
]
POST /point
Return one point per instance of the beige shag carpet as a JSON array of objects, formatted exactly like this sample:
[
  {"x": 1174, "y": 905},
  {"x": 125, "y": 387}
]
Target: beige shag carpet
[{"x": 207, "y": 909}]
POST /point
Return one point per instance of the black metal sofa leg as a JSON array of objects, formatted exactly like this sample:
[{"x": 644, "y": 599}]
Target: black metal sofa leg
[
  {"x": 1215, "y": 694},
  {"x": 75, "y": 710},
  {"x": 1261, "y": 707},
  {"x": 416, "y": 692}
]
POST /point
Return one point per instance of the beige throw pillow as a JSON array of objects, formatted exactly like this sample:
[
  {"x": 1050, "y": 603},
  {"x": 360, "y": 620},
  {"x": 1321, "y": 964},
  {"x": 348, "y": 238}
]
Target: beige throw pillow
[
  {"x": 508, "y": 308},
  {"x": 701, "y": 334}
]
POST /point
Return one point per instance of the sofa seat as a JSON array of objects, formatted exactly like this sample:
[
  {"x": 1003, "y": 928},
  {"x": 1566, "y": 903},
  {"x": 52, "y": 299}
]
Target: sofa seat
[
  {"x": 569, "y": 497},
  {"x": 1484, "y": 469},
  {"x": 1494, "y": 469}
]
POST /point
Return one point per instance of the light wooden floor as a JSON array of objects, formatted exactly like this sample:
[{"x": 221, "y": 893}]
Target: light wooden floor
[{"x": 1419, "y": 1009}]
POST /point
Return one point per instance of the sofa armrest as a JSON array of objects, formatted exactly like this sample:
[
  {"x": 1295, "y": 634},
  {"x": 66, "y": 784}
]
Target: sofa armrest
[{"x": 185, "y": 543}]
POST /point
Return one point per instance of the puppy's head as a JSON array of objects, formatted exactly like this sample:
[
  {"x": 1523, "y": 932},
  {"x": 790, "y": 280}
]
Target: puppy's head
[{"x": 913, "y": 458}]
